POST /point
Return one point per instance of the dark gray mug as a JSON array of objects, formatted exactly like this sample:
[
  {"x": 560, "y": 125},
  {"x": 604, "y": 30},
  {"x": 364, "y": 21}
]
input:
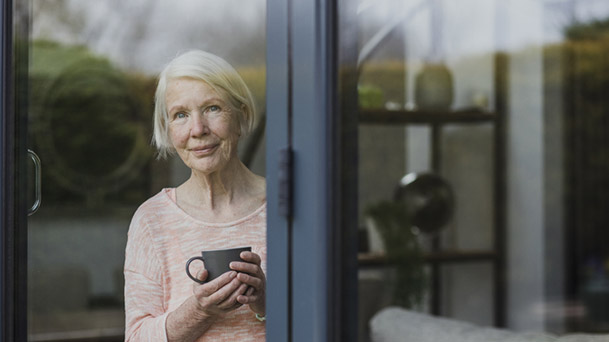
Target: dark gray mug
[{"x": 216, "y": 262}]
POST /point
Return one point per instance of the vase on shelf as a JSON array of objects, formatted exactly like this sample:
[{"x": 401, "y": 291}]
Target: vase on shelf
[{"x": 434, "y": 88}]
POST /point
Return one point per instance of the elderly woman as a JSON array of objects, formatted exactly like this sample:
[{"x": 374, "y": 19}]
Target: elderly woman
[{"x": 202, "y": 108}]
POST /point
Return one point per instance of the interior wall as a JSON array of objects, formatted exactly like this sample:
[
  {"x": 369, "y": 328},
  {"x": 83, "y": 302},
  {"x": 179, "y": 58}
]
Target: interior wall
[
  {"x": 525, "y": 171},
  {"x": 554, "y": 189},
  {"x": 525, "y": 199}
]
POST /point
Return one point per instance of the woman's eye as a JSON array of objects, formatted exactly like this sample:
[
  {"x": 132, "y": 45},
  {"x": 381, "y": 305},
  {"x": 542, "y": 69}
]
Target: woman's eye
[
  {"x": 213, "y": 108},
  {"x": 180, "y": 115}
]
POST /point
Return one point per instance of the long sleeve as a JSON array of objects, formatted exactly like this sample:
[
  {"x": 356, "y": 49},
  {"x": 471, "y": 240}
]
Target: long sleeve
[
  {"x": 145, "y": 311},
  {"x": 161, "y": 239}
]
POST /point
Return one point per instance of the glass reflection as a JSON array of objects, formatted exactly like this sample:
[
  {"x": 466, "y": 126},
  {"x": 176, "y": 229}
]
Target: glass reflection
[
  {"x": 503, "y": 102},
  {"x": 92, "y": 77}
]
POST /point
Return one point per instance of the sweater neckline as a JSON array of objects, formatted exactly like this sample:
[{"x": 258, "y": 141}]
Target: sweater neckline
[{"x": 170, "y": 196}]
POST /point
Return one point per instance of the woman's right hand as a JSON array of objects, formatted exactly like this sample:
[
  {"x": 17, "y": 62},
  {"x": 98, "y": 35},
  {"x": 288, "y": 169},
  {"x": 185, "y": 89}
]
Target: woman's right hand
[
  {"x": 208, "y": 302},
  {"x": 218, "y": 296}
]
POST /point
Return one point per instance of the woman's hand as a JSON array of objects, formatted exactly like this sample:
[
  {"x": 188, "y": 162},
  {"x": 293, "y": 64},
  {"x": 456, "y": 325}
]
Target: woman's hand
[
  {"x": 209, "y": 302},
  {"x": 219, "y": 296},
  {"x": 251, "y": 274}
]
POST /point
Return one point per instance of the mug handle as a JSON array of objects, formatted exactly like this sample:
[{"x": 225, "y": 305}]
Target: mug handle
[{"x": 188, "y": 270}]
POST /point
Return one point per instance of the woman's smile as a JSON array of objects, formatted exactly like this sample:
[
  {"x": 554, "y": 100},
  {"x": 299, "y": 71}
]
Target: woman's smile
[
  {"x": 202, "y": 126},
  {"x": 204, "y": 151}
]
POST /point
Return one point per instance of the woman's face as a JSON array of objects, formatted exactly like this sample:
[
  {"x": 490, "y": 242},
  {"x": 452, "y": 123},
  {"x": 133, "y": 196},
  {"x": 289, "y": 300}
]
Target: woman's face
[{"x": 202, "y": 125}]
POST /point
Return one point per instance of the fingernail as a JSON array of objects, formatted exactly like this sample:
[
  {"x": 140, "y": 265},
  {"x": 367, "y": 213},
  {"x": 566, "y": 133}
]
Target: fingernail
[{"x": 233, "y": 274}]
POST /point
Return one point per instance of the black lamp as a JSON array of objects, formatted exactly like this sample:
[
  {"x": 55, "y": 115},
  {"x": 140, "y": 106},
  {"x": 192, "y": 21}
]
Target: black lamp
[{"x": 429, "y": 200}]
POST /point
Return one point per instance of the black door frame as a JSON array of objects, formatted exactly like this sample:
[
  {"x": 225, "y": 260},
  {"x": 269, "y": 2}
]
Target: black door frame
[{"x": 13, "y": 153}]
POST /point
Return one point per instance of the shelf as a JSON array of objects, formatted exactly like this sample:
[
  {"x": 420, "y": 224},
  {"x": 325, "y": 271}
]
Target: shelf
[
  {"x": 460, "y": 256},
  {"x": 384, "y": 116},
  {"x": 376, "y": 259}
]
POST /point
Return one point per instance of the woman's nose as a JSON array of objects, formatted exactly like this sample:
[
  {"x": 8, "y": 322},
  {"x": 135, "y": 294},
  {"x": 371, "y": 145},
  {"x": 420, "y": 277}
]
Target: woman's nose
[{"x": 199, "y": 126}]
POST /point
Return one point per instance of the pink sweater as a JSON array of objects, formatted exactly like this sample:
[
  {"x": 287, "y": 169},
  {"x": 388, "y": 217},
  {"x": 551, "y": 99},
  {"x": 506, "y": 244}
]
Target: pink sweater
[{"x": 162, "y": 237}]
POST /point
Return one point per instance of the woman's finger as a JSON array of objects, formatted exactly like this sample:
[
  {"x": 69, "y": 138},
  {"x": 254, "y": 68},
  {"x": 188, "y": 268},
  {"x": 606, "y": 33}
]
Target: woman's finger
[
  {"x": 213, "y": 287},
  {"x": 244, "y": 299},
  {"x": 246, "y": 267},
  {"x": 251, "y": 257},
  {"x": 202, "y": 274},
  {"x": 255, "y": 282},
  {"x": 230, "y": 302}
]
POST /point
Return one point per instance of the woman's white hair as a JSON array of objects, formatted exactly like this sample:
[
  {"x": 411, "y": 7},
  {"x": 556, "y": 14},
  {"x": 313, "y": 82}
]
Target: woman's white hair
[{"x": 218, "y": 74}]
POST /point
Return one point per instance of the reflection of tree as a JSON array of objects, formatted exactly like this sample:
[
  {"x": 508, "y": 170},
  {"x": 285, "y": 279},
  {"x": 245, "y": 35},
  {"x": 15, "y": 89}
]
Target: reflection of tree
[
  {"x": 597, "y": 29},
  {"x": 587, "y": 148},
  {"x": 90, "y": 122},
  {"x": 89, "y": 104},
  {"x": 142, "y": 33}
]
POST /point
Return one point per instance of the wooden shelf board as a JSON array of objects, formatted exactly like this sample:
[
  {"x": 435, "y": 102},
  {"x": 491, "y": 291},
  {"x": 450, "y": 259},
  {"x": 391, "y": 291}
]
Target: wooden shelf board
[
  {"x": 383, "y": 116},
  {"x": 376, "y": 259}
]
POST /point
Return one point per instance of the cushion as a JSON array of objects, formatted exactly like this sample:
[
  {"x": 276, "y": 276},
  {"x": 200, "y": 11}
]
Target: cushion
[{"x": 395, "y": 324}]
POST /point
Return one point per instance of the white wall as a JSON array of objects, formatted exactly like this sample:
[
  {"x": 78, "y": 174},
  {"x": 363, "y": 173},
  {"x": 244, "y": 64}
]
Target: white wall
[
  {"x": 525, "y": 198},
  {"x": 525, "y": 169}
]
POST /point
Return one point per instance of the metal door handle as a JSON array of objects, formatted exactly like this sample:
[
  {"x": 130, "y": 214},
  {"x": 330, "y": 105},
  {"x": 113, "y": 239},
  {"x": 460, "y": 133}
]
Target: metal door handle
[{"x": 37, "y": 182}]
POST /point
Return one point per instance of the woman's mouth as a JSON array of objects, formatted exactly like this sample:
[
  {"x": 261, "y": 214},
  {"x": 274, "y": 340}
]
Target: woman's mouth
[{"x": 202, "y": 151}]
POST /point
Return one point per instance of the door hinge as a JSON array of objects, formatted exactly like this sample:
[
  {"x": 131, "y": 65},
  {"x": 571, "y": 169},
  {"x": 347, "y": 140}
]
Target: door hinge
[{"x": 285, "y": 182}]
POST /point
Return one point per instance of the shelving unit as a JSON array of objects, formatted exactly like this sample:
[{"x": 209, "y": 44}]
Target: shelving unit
[{"x": 438, "y": 256}]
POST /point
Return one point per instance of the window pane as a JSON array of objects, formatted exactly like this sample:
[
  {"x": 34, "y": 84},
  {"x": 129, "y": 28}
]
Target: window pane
[
  {"x": 483, "y": 168},
  {"x": 92, "y": 78}
]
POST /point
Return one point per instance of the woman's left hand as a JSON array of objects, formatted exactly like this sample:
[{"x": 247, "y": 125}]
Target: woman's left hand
[{"x": 251, "y": 273}]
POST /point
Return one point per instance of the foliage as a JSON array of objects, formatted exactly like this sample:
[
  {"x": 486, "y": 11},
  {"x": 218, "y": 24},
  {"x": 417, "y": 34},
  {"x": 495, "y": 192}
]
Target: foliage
[
  {"x": 90, "y": 123},
  {"x": 587, "y": 124},
  {"x": 596, "y": 29},
  {"x": 370, "y": 96},
  {"x": 403, "y": 251},
  {"x": 255, "y": 78},
  {"x": 386, "y": 77}
]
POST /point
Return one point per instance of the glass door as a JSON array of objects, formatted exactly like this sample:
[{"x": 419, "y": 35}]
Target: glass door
[
  {"x": 91, "y": 78},
  {"x": 483, "y": 170},
  {"x": 90, "y": 74}
]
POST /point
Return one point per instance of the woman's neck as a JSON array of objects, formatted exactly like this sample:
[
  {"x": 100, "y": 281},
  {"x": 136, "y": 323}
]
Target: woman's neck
[
  {"x": 218, "y": 188},
  {"x": 224, "y": 195}
]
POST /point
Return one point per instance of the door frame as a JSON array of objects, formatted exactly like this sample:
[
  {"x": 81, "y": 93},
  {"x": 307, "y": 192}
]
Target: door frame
[
  {"x": 13, "y": 154},
  {"x": 311, "y": 171}
]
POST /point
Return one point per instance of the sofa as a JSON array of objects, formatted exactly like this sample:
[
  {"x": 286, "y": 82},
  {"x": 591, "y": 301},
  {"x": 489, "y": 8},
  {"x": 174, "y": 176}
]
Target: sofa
[{"x": 394, "y": 324}]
